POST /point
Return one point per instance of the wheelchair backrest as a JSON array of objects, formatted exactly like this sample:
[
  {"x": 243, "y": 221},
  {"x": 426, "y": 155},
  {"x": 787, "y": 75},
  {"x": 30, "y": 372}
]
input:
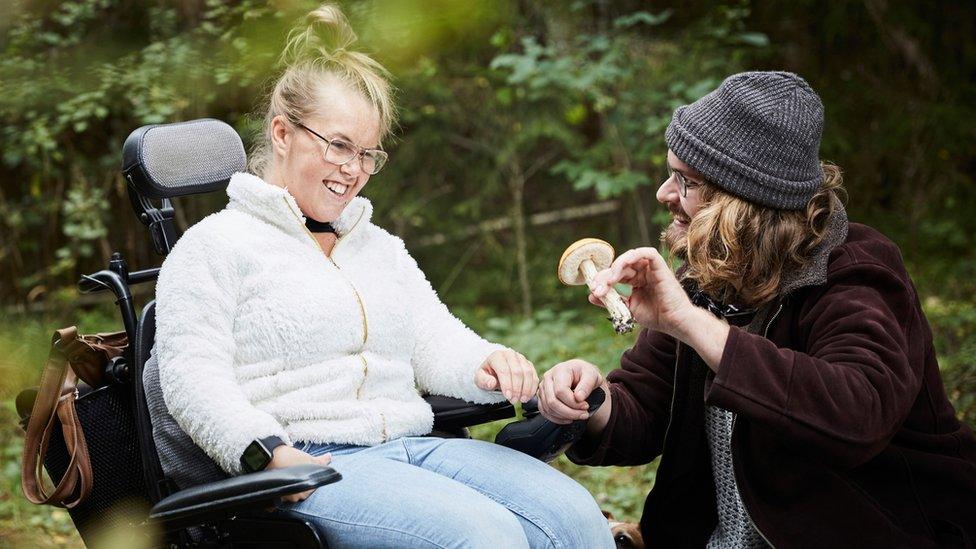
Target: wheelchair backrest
[
  {"x": 181, "y": 463},
  {"x": 170, "y": 160},
  {"x": 161, "y": 162}
]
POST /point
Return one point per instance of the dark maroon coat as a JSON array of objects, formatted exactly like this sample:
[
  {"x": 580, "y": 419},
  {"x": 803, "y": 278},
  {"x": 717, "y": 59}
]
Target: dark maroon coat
[{"x": 843, "y": 437}]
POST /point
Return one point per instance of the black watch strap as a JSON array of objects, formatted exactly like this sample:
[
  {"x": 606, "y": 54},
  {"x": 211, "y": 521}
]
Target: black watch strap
[
  {"x": 272, "y": 442},
  {"x": 259, "y": 453}
]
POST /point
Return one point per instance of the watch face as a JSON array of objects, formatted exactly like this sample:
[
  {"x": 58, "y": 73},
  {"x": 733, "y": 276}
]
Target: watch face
[{"x": 255, "y": 457}]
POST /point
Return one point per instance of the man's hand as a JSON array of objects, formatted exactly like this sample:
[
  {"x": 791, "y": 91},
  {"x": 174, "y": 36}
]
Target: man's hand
[
  {"x": 287, "y": 456},
  {"x": 563, "y": 392},
  {"x": 658, "y": 301},
  {"x": 509, "y": 372}
]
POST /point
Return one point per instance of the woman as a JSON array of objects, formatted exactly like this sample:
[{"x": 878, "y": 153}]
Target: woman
[{"x": 289, "y": 324}]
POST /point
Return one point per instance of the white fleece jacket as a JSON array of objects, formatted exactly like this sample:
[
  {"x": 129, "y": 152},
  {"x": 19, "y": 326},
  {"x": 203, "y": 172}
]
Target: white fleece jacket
[{"x": 259, "y": 333}]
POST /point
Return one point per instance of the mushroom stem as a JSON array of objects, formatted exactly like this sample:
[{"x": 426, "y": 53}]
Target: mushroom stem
[{"x": 620, "y": 315}]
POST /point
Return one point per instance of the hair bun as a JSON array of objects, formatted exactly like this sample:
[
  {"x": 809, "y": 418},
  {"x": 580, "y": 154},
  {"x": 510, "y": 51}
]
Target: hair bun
[{"x": 323, "y": 33}]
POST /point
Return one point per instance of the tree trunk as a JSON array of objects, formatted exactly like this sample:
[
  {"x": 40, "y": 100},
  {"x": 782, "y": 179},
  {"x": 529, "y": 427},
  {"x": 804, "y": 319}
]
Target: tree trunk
[{"x": 516, "y": 185}]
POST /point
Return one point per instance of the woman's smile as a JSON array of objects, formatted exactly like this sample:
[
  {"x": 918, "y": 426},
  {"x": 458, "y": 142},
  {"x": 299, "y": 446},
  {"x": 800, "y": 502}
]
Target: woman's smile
[{"x": 338, "y": 189}]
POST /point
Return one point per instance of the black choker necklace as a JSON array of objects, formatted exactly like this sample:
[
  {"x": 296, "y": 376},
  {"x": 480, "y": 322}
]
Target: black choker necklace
[{"x": 316, "y": 226}]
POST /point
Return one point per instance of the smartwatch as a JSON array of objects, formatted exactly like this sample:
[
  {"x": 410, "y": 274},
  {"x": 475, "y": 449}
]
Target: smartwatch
[{"x": 259, "y": 453}]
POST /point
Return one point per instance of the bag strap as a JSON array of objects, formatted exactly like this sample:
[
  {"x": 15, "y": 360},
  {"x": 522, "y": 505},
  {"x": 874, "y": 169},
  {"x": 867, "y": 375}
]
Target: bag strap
[{"x": 56, "y": 396}]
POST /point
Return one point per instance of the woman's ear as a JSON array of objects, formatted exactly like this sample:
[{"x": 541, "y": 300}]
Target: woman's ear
[{"x": 281, "y": 136}]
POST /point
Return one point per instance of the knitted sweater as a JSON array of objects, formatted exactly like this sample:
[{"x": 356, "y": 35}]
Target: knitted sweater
[{"x": 259, "y": 333}]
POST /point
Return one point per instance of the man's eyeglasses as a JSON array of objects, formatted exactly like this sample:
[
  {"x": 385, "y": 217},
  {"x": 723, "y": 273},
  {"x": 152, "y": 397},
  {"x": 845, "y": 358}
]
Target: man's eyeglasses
[
  {"x": 683, "y": 183},
  {"x": 340, "y": 151}
]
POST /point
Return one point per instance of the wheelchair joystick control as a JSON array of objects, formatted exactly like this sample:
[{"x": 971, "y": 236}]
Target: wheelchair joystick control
[{"x": 540, "y": 438}]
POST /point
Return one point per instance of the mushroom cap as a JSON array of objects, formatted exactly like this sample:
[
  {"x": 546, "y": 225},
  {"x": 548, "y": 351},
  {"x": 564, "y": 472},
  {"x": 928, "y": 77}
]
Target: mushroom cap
[{"x": 599, "y": 251}]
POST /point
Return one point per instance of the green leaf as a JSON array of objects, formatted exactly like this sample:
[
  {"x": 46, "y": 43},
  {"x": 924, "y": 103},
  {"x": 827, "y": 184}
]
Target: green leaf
[
  {"x": 644, "y": 17},
  {"x": 756, "y": 39}
]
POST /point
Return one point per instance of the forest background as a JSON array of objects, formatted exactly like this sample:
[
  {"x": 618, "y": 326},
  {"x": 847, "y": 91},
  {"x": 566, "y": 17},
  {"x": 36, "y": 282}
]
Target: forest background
[{"x": 525, "y": 125}]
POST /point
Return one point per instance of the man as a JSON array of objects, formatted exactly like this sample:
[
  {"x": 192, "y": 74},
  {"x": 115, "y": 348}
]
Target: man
[{"x": 786, "y": 375}]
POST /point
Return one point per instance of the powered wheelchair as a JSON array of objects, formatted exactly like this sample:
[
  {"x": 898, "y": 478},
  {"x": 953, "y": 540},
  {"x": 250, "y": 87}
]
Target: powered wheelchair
[{"x": 160, "y": 163}]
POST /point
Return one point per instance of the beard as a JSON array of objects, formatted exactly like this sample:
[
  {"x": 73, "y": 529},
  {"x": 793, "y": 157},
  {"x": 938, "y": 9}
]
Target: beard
[{"x": 674, "y": 238}]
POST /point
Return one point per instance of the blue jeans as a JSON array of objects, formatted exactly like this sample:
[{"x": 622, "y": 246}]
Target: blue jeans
[{"x": 433, "y": 492}]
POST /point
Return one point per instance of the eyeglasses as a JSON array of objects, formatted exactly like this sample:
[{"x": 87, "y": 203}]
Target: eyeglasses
[
  {"x": 683, "y": 183},
  {"x": 340, "y": 152}
]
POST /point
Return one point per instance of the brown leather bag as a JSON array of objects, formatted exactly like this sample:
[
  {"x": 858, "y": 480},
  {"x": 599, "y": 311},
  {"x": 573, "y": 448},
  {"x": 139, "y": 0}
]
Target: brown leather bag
[{"x": 71, "y": 357}]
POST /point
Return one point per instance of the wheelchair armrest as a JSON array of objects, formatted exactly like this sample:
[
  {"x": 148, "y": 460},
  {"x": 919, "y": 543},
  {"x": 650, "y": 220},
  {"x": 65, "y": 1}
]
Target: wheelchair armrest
[
  {"x": 542, "y": 439},
  {"x": 453, "y": 413},
  {"x": 226, "y": 498}
]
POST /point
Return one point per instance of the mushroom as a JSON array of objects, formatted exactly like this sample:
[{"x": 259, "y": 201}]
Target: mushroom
[{"x": 580, "y": 263}]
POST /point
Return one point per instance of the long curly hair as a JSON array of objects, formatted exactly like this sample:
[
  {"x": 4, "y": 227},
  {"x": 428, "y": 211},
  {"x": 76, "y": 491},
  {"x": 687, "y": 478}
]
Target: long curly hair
[{"x": 738, "y": 252}]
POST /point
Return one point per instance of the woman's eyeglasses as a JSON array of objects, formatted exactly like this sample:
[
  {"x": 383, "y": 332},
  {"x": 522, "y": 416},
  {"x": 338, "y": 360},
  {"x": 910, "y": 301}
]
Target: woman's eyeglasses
[{"x": 340, "y": 151}]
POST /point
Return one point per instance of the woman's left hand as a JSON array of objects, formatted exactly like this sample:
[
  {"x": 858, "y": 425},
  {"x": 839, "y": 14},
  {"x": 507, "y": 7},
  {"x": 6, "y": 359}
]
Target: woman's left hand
[{"x": 509, "y": 372}]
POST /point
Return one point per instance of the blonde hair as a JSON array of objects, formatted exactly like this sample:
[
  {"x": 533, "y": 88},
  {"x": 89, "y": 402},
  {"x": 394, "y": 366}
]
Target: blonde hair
[
  {"x": 738, "y": 252},
  {"x": 317, "y": 51}
]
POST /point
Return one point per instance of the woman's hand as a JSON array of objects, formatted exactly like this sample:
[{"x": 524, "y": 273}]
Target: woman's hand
[
  {"x": 287, "y": 456},
  {"x": 658, "y": 301},
  {"x": 509, "y": 372},
  {"x": 563, "y": 392}
]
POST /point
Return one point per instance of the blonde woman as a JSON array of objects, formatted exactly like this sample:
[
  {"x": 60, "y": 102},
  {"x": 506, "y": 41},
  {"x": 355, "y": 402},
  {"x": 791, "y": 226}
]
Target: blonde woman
[{"x": 291, "y": 330}]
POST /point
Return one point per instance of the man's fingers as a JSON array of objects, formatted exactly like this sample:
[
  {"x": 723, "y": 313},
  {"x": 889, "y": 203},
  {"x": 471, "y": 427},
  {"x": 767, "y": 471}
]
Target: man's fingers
[
  {"x": 562, "y": 379},
  {"x": 601, "y": 282},
  {"x": 589, "y": 380},
  {"x": 555, "y": 409},
  {"x": 638, "y": 259},
  {"x": 563, "y": 404},
  {"x": 605, "y": 279}
]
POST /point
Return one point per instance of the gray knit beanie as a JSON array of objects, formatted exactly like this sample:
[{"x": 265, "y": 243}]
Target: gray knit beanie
[{"x": 757, "y": 136}]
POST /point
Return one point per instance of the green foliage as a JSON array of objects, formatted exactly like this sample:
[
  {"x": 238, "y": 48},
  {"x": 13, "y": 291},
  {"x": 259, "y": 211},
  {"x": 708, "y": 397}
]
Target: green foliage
[
  {"x": 550, "y": 337},
  {"x": 954, "y": 328},
  {"x": 508, "y": 109}
]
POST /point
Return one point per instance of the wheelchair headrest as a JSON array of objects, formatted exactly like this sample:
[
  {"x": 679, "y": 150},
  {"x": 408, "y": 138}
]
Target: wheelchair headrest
[{"x": 170, "y": 160}]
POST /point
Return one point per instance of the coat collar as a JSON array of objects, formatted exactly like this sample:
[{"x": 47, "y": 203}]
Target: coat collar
[
  {"x": 815, "y": 272},
  {"x": 272, "y": 204}
]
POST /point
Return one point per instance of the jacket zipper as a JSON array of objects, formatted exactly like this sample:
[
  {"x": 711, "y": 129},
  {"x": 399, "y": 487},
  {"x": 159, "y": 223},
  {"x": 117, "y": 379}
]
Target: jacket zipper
[
  {"x": 359, "y": 391},
  {"x": 732, "y": 454},
  {"x": 362, "y": 309}
]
